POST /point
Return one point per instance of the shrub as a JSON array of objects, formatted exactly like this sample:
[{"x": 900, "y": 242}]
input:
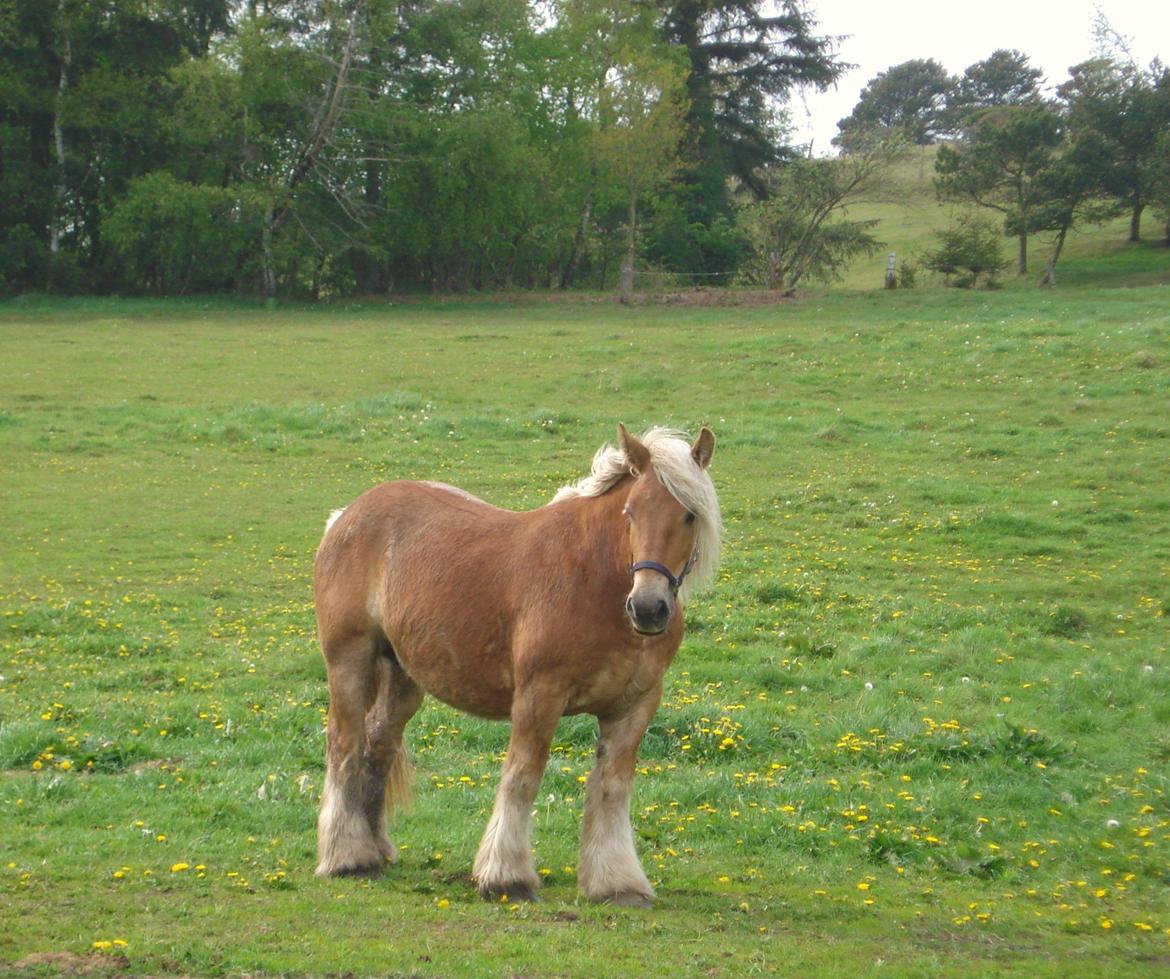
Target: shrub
[
  {"x": 967, "y": 252},
  {"x": 178, "y": 237}
]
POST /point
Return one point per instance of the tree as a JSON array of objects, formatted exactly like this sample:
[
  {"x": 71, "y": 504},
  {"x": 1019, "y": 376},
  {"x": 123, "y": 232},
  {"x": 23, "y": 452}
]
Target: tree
[
  {"x": 81, "y": 112},
  {"x": 641, "y": 114},
  {"x": 999, "y": 162},
  {"x": 909, "y": 99},
  {"x": 1122, "y": 112},
  {"x": 742, "y": 65},
  {"x": 1161, "y": 197},
  {"x": 1066, "y": 194},
  {"x": 1004, "y": 78},
  {"x": 797, "y": 231}
]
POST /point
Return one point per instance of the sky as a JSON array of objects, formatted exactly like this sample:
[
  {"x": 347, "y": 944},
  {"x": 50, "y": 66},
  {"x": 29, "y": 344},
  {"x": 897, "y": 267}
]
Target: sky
[{"x": 1055, "y": 34}]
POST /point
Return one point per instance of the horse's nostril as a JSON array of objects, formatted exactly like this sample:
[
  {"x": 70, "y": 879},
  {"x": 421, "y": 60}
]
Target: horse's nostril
[{"x": 663, "y": 608}]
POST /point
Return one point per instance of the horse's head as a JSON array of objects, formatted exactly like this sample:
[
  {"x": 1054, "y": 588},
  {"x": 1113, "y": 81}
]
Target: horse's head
[{"x": 663, "y": 532}]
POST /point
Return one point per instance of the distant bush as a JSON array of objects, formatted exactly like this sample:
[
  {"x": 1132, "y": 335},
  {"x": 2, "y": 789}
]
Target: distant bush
[
  {"x": 906, "y": 276},
  {"x": 176, "y": 237},
  {"x": 968, "y": 252},
  {"x": 22, "y": 257}
]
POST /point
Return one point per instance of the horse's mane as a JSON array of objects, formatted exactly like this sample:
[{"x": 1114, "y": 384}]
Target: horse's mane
[{"x": 670, "y": 454}]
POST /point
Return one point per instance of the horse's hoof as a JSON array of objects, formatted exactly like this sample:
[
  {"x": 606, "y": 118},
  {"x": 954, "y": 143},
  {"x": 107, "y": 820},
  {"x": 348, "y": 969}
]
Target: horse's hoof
[
  {"x": 514, "y": 892},
  {"x": 363, "y": 871},
  {"x": 630, "y": 899}
]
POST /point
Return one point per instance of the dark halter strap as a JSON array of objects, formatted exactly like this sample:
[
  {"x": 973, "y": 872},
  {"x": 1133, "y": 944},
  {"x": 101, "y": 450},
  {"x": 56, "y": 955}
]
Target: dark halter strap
[{"x": 662, "y": 569}]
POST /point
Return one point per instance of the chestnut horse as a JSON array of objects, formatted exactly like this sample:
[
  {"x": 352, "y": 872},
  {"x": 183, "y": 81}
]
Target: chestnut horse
[{"x": 571, "y": 608}]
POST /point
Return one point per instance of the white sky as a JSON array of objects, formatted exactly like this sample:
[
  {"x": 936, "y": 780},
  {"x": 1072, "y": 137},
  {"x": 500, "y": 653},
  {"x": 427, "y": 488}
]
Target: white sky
[{"x": 1055, "y": 34}]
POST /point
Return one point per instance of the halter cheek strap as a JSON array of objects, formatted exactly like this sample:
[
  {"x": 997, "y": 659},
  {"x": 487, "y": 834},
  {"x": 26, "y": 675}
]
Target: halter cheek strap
[{"x": 662, "y": 569}]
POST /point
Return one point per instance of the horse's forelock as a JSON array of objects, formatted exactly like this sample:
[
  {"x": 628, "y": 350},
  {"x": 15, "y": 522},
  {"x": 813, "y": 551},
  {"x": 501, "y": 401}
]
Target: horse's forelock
[
  {"x": 670, "y": 453},
  {"x": 692, "y": 487}
]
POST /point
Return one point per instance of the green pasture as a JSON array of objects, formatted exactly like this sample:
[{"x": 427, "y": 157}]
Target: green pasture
[{"x": 920, "y": 727}]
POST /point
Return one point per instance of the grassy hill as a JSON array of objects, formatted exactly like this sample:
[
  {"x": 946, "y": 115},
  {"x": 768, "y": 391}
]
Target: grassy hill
[{"x": 1098, "y": 254}]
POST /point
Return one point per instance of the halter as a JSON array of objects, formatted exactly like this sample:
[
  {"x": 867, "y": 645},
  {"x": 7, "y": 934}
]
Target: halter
[{"x": 662, "y": 569}]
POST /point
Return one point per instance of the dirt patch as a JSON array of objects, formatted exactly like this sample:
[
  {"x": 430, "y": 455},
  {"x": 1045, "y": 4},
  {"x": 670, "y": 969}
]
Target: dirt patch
[
  {"x": 701, "y": 298},
  {"x": 698, "y": 297},
  {"x": 68, "y": 964}
]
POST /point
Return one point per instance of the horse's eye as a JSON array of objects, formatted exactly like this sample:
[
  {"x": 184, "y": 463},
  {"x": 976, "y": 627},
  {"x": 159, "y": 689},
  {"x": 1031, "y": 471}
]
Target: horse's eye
[{"x": 690, "y": 518}]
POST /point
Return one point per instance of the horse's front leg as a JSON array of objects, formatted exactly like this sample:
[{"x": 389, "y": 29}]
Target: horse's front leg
[
  {"x": 503, "y": 865},
  {"x": 608, "y": 867}
]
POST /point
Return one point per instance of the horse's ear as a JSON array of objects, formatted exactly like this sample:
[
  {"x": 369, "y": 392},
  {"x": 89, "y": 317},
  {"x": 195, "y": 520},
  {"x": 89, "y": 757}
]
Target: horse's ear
[
  {"x": 703, "y": 448},
  {"x": 637, "y": 455}
]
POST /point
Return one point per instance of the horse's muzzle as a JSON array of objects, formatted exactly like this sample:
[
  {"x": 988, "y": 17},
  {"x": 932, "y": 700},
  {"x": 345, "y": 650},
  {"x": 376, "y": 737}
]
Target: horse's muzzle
[{"x": 649, "y": 614}]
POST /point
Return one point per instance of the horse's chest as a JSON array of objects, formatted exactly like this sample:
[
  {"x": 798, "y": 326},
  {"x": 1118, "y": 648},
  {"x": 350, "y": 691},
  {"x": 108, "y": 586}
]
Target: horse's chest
[{"x": 618, "y": 681}]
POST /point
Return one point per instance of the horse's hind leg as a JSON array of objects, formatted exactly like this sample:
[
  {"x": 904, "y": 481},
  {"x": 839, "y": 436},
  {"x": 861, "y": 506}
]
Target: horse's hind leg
[
  {"x": 608, "y": 868},
  {"x": 350, "y": 833},
  {"x": 397, "y": 701}
]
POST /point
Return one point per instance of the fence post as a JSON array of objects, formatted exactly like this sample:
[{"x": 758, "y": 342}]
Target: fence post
[{"x": 892, "y": 270}]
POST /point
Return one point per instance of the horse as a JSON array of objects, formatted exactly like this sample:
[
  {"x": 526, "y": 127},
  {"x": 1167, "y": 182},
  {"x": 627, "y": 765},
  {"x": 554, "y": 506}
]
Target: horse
[{"x": 573, "y": 607}]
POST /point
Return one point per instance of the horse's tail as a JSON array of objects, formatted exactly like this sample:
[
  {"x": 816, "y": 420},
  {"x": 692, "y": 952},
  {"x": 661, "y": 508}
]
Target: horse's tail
[
  {"x": 333, "y": 515},
  {"x": 398, "y": 782}
]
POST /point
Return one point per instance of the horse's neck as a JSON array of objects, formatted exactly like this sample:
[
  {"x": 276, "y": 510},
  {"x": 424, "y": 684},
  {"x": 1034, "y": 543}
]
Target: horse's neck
[{"x": 601, "y": 521}]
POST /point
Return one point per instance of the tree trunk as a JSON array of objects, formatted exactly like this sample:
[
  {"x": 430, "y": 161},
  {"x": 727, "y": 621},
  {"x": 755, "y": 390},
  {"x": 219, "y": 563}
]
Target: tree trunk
[
  {"x": 62, "y": 186},
  {"x": 626, "y": 285},
  {"x": 1022, "y": 261},
  {"x": 1135, "y": 221},
  {"x": 322, "y": 133},
  {"x": 570, "y": 272},
  {"x": 1049, "y": 277},
  {"x": 267, "y": 272}
]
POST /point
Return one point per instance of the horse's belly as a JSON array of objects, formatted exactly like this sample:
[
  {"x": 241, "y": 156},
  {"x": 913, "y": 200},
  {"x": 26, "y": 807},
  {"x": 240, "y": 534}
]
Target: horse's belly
[{"x": 477, "y": 680}]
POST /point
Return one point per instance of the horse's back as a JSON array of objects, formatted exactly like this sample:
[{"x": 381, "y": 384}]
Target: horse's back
[{"x": 415, "y": 528}]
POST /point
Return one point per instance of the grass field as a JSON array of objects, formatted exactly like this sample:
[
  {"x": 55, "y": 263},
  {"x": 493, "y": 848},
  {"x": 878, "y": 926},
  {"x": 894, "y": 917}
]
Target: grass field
[{"x": 919, "y": 727}]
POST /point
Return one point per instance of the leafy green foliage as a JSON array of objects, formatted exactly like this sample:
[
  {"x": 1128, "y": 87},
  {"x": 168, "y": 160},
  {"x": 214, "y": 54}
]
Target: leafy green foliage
[
  {"x": 798, "y": 231},
  {"x": 1117, "y": 115},
  {"x": 909, "y": 100},
  {"x": 967, "y": 252},
  {"x": 1005, "y": 78},
  {"x": 178, "y": 237},
  {"x": 1001, "y": 164}
]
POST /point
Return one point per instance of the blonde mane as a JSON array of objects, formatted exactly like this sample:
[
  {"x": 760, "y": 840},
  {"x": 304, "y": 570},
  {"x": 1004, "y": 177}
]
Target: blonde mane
[{"x": 670, "y": 454}]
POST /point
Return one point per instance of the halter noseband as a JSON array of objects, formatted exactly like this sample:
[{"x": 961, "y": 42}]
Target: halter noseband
[{"x": 662, "y": 569}]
